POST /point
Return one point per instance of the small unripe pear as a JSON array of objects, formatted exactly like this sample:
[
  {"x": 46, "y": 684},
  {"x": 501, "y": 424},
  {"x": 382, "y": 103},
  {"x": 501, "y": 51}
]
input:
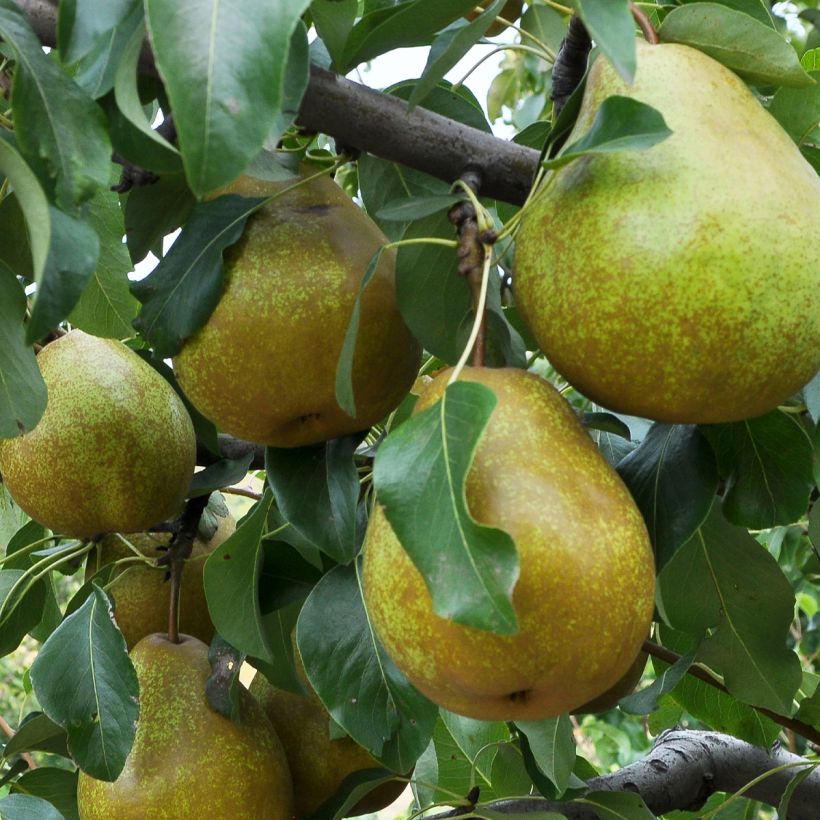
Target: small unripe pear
[{"x": 114, "y": 450}]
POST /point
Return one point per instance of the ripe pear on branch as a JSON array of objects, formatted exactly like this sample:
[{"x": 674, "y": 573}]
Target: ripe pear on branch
[
  {"x": 114, "y": 450},
  {"x": 263, "y": 367},
  {"x": 584, "y": 597},
  {"x": 678, "y": 283}
]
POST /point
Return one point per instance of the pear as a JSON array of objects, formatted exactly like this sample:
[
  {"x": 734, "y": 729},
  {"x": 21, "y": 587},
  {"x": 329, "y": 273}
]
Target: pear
[
  {"x": 511, "y": 12},
  {"x": 187, "y": 761},
  {"x": 140, "y": 593},
  {"x": 620, "y": 689},
  {"x": 584, "y": 597},
  {"x": 263, "y": 367},
  {"x": 114, "y": 450},
  {"x": 318, "y": 764},
  {"x": 680, "y": 283}
]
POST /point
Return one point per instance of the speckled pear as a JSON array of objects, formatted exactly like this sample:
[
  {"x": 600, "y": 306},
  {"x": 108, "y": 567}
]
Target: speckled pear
[
  {"x": 680, "y": 283},
  {"x": 114, "y": 450},
  {"x": 318, "y": 764},
  {"x": 189, "y": 762},
  {"x": 584, "y": 598},
  {"x": 140, "y": 592},
  {"x": 263, "y": 367}
]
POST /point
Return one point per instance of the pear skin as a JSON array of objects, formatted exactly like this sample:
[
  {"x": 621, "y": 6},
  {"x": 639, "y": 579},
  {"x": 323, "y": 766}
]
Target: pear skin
[
  {"x": 317, "y": 763},
  {"x": 620, "y": 689},
  {"x": 680, "y": 283},
  {"x": 187, "y": 761},
  {"x": 263, "y": 367},
  {"x": 114, "y": 450},
  {"x": 585, "y": 594}
]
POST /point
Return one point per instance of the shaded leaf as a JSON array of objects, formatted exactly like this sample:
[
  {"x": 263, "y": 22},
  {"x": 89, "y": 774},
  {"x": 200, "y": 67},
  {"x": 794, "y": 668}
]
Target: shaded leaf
[
  {"x": 351, "y": 790},
  {"x": 406, "y": 210},
  {"x": 798, "y": 109},
  {"x": 419, "y": 474},
  {"x": 617, "y": 805},
  {"x": 57, "y": 786},
  {"x": 222, "y": 473},
  {"x": 27, "y": 807},
  {"x": 38, "y": 733},
  {"x": 21, "y": 607},
  {"x": 553, "y": 748},
  {"x": 609, "y": 23},
  {"x": 333, "y": 20},
  {"x": 222, "y": 686},
  {"x": 646, "y": 701}
]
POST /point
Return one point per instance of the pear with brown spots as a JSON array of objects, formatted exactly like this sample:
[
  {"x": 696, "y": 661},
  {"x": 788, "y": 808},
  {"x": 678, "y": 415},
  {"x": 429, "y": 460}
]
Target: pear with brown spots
[
  {"x": 680, "y": 283},
  {"x": 585, "y": 594},
  {"x": 263, "y": 367},
  {"x": 189, "y": 762},
  {"x": 114, "y": 450}
]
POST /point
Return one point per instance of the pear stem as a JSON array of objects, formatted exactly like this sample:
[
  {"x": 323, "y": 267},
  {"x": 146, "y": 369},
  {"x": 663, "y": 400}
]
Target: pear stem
[
  {"x": 645, "y": 24},
  {"x": 670, "y": 657}
]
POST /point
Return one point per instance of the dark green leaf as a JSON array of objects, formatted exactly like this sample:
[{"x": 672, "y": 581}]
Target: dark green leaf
[
  {"x": 27, "y": 807},
  {"x": 799, "y": 777},
  {"x": 755, "y": 8},
  {"x": 231, "y": 576},
  {"x": 220, "y": 474},
  {"x": 351, "y": 790},
  {"x": 811, "y": 395},
  {"x": 798, "y": 110},
  {"x": 767, "y": 464},
  {"x": 223, "y": 66},
  {"x": 547, "y": 24},
  {"x": 183, "y": 290},
  {"x": 66, "y": 144},
  {"x": 21, "y": 607},
  {"x": 406, "y": 210},
  {"x": 609, "y": 23},
  {"x": 22, "y": 389},
  {"x": 84, "y": 680},
  {"x": 83, "y": 23},
  {"x": 57, "y": 786},
  {"x": 333, "y": 20},
  {"x": 38, "y": 733},
  {"x": 423, "y": 465},
  {"x": 359, "y": 685},
  {"x": 222, "y": 686},
  {"x": 617, "y": 805},
  {"x": 750, "y": 48},
  {"x": 294, "y": 83},
  {"x": 280, "y": 669},
  {"x": 646, "y": 701},
  {"x": 553, "y": 748},
  {"x": 15, "y": 250},
  {"x": 673, "y": 478},
  {"x": 606, "y": 422},
  {"x": 620, "y": 124},
  {"x": 725, "y": 585},
  {"x": 317, "y": 490},
  {"x": 286, "y": 576}
]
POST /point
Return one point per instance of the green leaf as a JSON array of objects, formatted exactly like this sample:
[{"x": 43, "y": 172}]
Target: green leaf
[
  {"x": 280, "y": 669},
  {"x": 553, "y": 747},
  {"x": 408, "y": 24},
  {"x": 750, "y": 48},
  {"x": 223, "y": 66},
  {"x": 344, "y": 367},
  {"x": 475, "y": 742},
  {"x": 423, "y": 465},
  {"x": 767, "y": 464},
  {"x": 317, "y": 490},
  {"x": 22, "y": 389},
  {"x": 647, "y": 700},
  {"x": 547, "y": 24},
  {"x": 725, "y": 585},
  {"x": 220, "y": 474},
  {"x": 798, "y": 109},
  {"x": 755, "y": 8},
  {"x": 287, "y": 576},
  {"x": 617, "y": 805},
  {"x": 450, "y": 46},
  {"x": 106, "y": 307},
  {"x": 231, "y": 576},
  {"x": 673, "y": 478},
  {"x": 84, "y": 680},
  {"x": 352, "y": 789},
  {"x": 66, "y": 144},
  {"x": 57, "y": 786},
  {"x": 27, "y": 807},
  {"x": 333, "y": 20},
  {"x": 620, "y": 124},
  {"x": 183, "y": 290},
  {"x": 294, "y": 84},
  {"x": 38, "y": 733},
  {"x": 222, "y": 687},
  {"x": 22, "y": 607},
  {"x": 83, "y": 23},
  {"x": 609, "y": 23},
  {"x": 355, "y": 679},
  {"x": 406, "y": 210}
]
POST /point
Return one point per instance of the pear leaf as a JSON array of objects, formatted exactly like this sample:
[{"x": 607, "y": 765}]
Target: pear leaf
[
  {"x": 355, "y": 679},
  {"x": 57, "y": 786},
  {"x": 28, "y": 807},
  {"x": 646, "y": 701},
  {"x": 419, "y": 474},
  {"x": 38, "y": 733},
  {"x": 723, "y": 584},
  {"x": 617, "y": 805},
  {"x": 82, "y": 23},
  {"x": 84, "y": 680},
  {"x": 23, "y": 392},
  {"x": 231, "y": 576},
  {"x": 351, "y": 790},
  {"x": 333, "y": 20},
  {"x": 798, "y": 109},
  {"x": 475, "y": 741},
  {"x": 404, "y": 209},
  {"x": 182, "y": 291},
  {"x": 767, "y": 464},
  {"x": 673, "y": 478},
  {"x": 209, "y": 55},
  {"x": 753, "y": 50},
  {"x": 222, "y": 686},
  {"x": 220, "y": 474},
  {"x": 620, "y": 124},
  {"x": 280, "y": 669},
  {"x": 22, "y": 603},
  {"x": 610, "y": 25},
  {"x": 552, "y": 746}
]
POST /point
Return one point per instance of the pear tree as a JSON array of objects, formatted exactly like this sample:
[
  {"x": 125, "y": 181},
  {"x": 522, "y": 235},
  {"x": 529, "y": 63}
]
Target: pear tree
[{"x": 480, "y": 431}]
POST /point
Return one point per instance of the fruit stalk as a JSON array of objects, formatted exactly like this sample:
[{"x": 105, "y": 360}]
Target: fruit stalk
[{"x": 645, "y": 24}]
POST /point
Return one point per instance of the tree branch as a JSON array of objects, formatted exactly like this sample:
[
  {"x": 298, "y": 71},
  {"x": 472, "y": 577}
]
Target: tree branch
[
  {"x": 382, "y": 125},
  {"x": 683, "y": 769}
]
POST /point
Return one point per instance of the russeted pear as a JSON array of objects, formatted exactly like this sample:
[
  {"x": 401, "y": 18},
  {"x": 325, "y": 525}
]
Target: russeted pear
[
  {"x": 141, "y": 594},
  {"x": 680, "y": 283},
  {"x": 114, "y": 450},
  {"x": 318, "y": 764},
  {"x": 187, "y": 761},
  {"x": 511, "y": 12},
  {"x": 264, "y": 365},
  {"x": 584, "y": 597}
]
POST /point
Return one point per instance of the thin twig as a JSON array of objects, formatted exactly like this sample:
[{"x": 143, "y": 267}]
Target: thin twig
[
  {"x": 241, "y": 491},
  {"x": 645, "y": 24}
]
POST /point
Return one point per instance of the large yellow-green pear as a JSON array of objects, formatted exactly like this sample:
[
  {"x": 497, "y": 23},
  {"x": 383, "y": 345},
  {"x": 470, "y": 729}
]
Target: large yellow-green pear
[
  {"x": 114, "y": 450},
  {"x": 140, "y": 592},
  {"x": 318, "y": 764},
  {"x": 680, "y": 283},
  {"x": 264, "y": 365},
  {"x": 584, "y": 597},
  {"x": 188, "y": 762}
]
